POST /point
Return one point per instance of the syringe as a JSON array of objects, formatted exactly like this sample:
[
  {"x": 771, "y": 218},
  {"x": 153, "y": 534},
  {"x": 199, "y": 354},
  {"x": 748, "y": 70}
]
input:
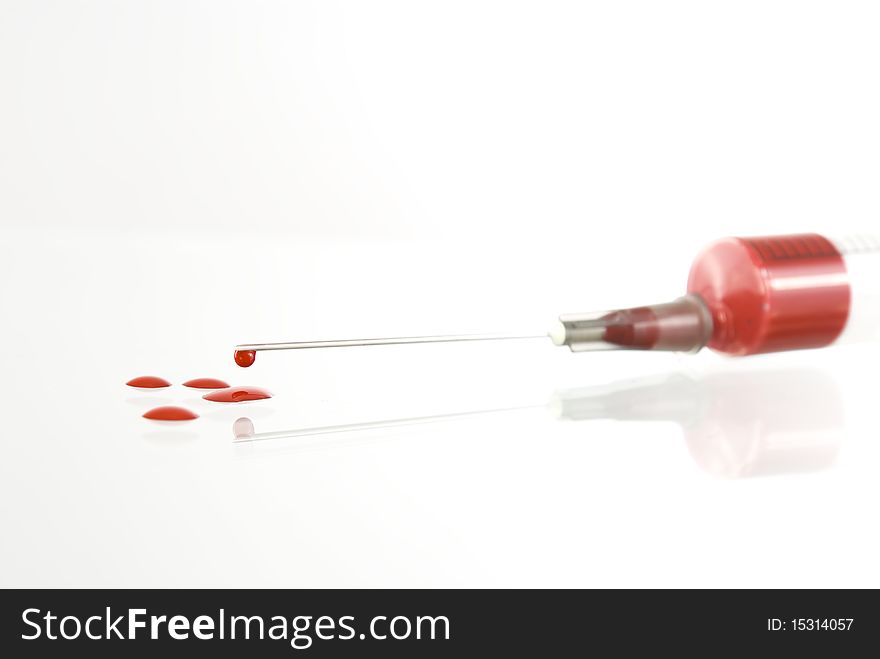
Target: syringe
[{"x": 744, "y": 296}]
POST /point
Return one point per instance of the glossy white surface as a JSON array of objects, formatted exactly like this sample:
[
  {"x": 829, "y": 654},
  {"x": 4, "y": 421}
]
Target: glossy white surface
[
  {"x": 681, "y": 470},
  {"x": 180, "y": 177}
]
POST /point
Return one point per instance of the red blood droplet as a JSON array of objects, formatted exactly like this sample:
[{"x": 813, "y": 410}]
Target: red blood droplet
[
  {"x": 245, "y": 358},
  {"x": 206, "y": 383},
  {"x": 170, "y": 413},
  {"x": 148, "y": 382},
  {"x": 237, "y": 395}
]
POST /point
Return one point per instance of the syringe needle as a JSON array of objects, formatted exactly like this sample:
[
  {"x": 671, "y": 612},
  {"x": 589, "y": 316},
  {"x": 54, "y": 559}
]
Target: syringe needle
[
  {"x": 245, "y": 354},
  {"x": 344, "y": 343}
]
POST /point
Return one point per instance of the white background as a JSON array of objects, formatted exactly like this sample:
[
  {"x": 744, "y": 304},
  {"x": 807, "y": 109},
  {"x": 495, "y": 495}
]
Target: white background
[{"x": 178, "y": 177}]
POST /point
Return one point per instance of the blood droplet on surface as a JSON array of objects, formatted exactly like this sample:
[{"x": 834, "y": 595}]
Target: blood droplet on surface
[
  {"x": 206, "y": 383},
  {"x": 237, "y": 395},
  {"x": 245, "y": 358},
  {"x": 148, "y": 382},
  {"x": 170, "y": 413}
]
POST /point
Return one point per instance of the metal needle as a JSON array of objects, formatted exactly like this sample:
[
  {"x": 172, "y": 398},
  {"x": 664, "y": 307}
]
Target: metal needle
[{"x": 347, "y": 343}]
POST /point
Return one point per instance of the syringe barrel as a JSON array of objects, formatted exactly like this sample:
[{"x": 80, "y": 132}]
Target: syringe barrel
[
  {"x": 775, "y": 293},
  {"x": 748, "y": 296},
  {"x": 861, "y": 254}
]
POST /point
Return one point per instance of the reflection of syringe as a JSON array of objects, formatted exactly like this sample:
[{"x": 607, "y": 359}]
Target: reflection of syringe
[
  {"x": 734, "y": 423},
  {"x": 744, "y": 296}
]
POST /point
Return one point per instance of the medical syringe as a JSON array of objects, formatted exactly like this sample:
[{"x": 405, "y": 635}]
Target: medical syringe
[{"x": 744, "y": 296}]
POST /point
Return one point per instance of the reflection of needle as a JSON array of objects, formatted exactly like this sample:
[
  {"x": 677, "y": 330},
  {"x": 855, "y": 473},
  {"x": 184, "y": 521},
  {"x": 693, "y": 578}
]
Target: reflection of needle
[
  {"x": 735, "y": 423},
  {"x": 244, "y": 430}
]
